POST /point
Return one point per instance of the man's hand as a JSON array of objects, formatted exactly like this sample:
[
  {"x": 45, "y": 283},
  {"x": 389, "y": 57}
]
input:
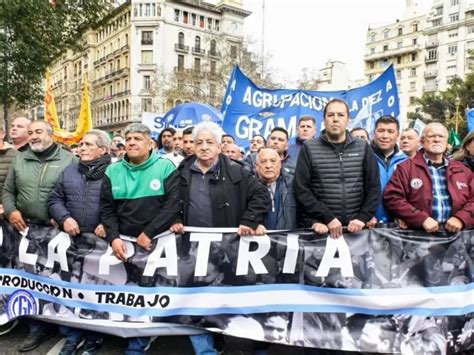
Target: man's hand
[
  {"x": 401, "y": 224},
  {"x": 260, "y": 230},
  {"x": 320, "y": 228},
  {"x": 177, "y": 228},
  {"x": 454, "y": 225},
  {"x": 244, "y": 230},
  {"x": 372, "y": 223},
  {"x": 144, "y": 241},
  {"x": 16, "y": 220},
  {"x": 335, "y": 228},
  {"x": 71, "y": 227},
  {"x": 430, "y": 225},
  {"x": 100, "y": 231},
  {"x": 120, "y": 249},
  {"x": 355, "y": 225}
]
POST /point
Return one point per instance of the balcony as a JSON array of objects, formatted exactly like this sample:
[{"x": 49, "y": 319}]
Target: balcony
[
  {"x": 431, "y": 73},
  {"x": 433, "y": 43},
  {"x": 394, "y": 52},
  {"x": 124, "y": 48},
  {"x": 198, "y": 51},
  {"x": 179, "y": 47},
  {"x": 213, "y": 54},
  {"x": 430, "y": 88},
  {"x": 147, "y": 66},
  {"x": 431, "y": 59}
]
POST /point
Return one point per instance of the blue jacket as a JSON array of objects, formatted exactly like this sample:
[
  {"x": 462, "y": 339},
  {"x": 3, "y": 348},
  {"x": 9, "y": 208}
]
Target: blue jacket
[
  {"x": 75, "y": 197},
  {"x": 386, "y": 170},
  {"x": 286, "y": 214}
]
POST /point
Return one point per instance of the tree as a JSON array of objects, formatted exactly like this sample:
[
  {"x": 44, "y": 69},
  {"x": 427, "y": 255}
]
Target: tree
[
  {"x": 435, "y": 107},
  {"x": 208, "y": 82},
  {"x": 32, "y": 35}
]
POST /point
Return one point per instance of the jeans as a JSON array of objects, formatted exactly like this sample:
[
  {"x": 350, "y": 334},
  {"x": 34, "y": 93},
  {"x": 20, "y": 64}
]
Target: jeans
[
  {"x": 203, "y": 344},
  {"x": 75, "y": 335},
  {"x": 138, "y": 345}
]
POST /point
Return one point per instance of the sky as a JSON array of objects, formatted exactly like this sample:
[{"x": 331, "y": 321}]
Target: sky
[{"x": 306, "y": 33}]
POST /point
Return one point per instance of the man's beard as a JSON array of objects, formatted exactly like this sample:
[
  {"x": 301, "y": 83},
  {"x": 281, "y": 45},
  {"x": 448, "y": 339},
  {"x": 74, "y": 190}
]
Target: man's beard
[{"x": 39, "y": 147}]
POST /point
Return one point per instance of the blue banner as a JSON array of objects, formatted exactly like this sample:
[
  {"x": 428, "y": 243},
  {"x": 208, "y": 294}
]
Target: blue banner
[
  {"x": 470, "y": 119},
  {"x": 249, "y": 110}
]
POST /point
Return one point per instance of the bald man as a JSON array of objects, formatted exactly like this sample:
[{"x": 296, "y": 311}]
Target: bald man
[
  {"x": 19, "y": 133},
  {"x": 280, "y": 185},
  {"x": 429, "y": 190},
  {"x": 232, "y": 151}
]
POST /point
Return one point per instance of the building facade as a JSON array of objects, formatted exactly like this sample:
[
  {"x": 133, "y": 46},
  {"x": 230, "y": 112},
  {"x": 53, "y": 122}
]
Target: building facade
[
  {"x": 147, "y": 57},
  {"x": 427, "y": 50}
]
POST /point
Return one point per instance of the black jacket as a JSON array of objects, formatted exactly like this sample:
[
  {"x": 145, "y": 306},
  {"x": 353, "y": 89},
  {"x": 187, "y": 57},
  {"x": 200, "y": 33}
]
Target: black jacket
[
  {"x": 237, "y": 197},
  {"x": 329, "y": 184}
]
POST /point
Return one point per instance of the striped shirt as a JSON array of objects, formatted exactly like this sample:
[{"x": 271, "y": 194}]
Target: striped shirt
[{"x": 441, "y": 210}]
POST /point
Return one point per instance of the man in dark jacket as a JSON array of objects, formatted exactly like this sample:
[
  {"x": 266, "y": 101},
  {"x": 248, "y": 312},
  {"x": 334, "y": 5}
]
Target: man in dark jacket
[
  {"x": 34, "y": 172},
  {"x": 430, "y": 190},
  {"x": 74, "y": 204},
  {"x": 216, "y": 192},
  {"x": 337, "y": 178},
  {"x": 306, "y": 130},
  {"x": 282, "y": 215}
]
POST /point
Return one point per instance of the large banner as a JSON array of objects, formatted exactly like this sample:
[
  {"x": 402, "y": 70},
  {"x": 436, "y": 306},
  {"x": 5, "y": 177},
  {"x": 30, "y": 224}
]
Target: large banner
[
  {"x": 385, "y": 290},
  {"x": 249, "y": 110}
]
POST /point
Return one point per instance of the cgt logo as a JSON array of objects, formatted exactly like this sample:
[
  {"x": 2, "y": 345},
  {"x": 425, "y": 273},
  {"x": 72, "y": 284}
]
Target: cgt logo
[{"x": 21, "y": 303}]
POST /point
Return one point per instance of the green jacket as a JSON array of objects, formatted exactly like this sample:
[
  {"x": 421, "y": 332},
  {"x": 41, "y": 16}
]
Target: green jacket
[
  {"x": 6, "y": 156},
  {"x": 30, "y": 180}
]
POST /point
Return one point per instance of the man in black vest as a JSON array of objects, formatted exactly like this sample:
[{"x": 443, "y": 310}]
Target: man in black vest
[{"x": 337, "y": 177}]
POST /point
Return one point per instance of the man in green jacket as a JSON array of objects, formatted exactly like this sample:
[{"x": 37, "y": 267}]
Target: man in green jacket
[{"x": 31, "y": 177}]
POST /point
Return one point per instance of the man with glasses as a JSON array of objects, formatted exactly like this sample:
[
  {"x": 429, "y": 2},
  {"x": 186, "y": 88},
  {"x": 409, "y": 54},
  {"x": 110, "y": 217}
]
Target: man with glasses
[{"x": 429, "y": 190}]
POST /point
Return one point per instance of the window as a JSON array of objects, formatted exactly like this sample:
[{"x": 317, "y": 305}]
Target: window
[
  {"x": 185, "y": 17},
  {"x": 180, "y": 62},
  {"x": 147, "y": 57},
  {"x": 213, "y": 67},
  {"x": 454, "y": 17},
  {"x": 385, "y": 48},
  {"x": 385, "y": 34},
  {"x": 412, "y": 85},
  {"x": 147, "y": 9},
  {"x": 212, "y": 90},
  {"x": 146, "y": 105},
  {"x": 372, "y": 50},
  {"x": 233, "y": 52},
  {"x": 399, "y": 74},
  {"x": 432, "y": 54},
  {"x": 197, "y": 43},
  {"x": 146, "y": 82},
  {"x": 197, "y": 89},
  {"x": 217, "y": 25},
  {"x": 197, "y": 64},
  {"x": 453, "y": 49},
  {"x": 372, "y": 38},
  {"x": 209, "y": 23},
  {"x": 470, "y": 29},
  {"x": 399, "y": 60},
  {"x": 414, "y": 27},
  {"x": 436, "y": 22},
  {"x": 181, "y": 39},
  {"x": 384, "y": 63},
  {"x": 371, "y": 65},
  {"x": 400, "y": 31},
  {"x": 399, "y": 45},
  {"x": 176, "y": 15},
  {"x": 415, "y": 41},
  {"x": 147, "y": 37},
  {"x": 454, "y": 2},
  {"x": 412, "y": 100},
  {"x": 412, "y": 71},
  {"x": 193, "y": 19},
  {"x": 213, "y": 47},
  {"x": 413, "y": 57},
  {"x": 201, "y": 21},
  {"x": 453, "y": 34},
  {"x": 439, "y": 11}
]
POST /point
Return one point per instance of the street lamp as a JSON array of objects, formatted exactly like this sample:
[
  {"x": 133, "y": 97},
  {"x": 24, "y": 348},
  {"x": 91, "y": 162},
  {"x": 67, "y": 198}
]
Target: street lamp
[{"x": 457, "y": 102}]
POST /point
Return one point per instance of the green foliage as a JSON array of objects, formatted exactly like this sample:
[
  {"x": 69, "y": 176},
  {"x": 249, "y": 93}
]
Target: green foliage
[
  {"x": 33, "y": 33},
  {"x": 435, "y": 107}
]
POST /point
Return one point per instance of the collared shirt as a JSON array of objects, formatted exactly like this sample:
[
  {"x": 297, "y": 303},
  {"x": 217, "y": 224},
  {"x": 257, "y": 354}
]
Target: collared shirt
[
  {"x": 441, "y": 210},
  {"x": 200, "y": 204}
]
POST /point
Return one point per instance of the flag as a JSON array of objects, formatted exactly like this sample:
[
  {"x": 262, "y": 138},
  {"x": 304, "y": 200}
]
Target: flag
[
  {"x": 84, "y": 121},
  {"x": 470, "y": 119},
  {"x": 419, "y": 126},
  {"x": 453, "y": 138}
]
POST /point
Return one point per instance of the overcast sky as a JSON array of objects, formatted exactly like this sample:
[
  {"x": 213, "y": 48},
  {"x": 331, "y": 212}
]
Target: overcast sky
[{"x": 306, "y": 33}]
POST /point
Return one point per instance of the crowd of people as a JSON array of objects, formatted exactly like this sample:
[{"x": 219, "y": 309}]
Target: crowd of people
[{"x": 337, "y": 182}]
